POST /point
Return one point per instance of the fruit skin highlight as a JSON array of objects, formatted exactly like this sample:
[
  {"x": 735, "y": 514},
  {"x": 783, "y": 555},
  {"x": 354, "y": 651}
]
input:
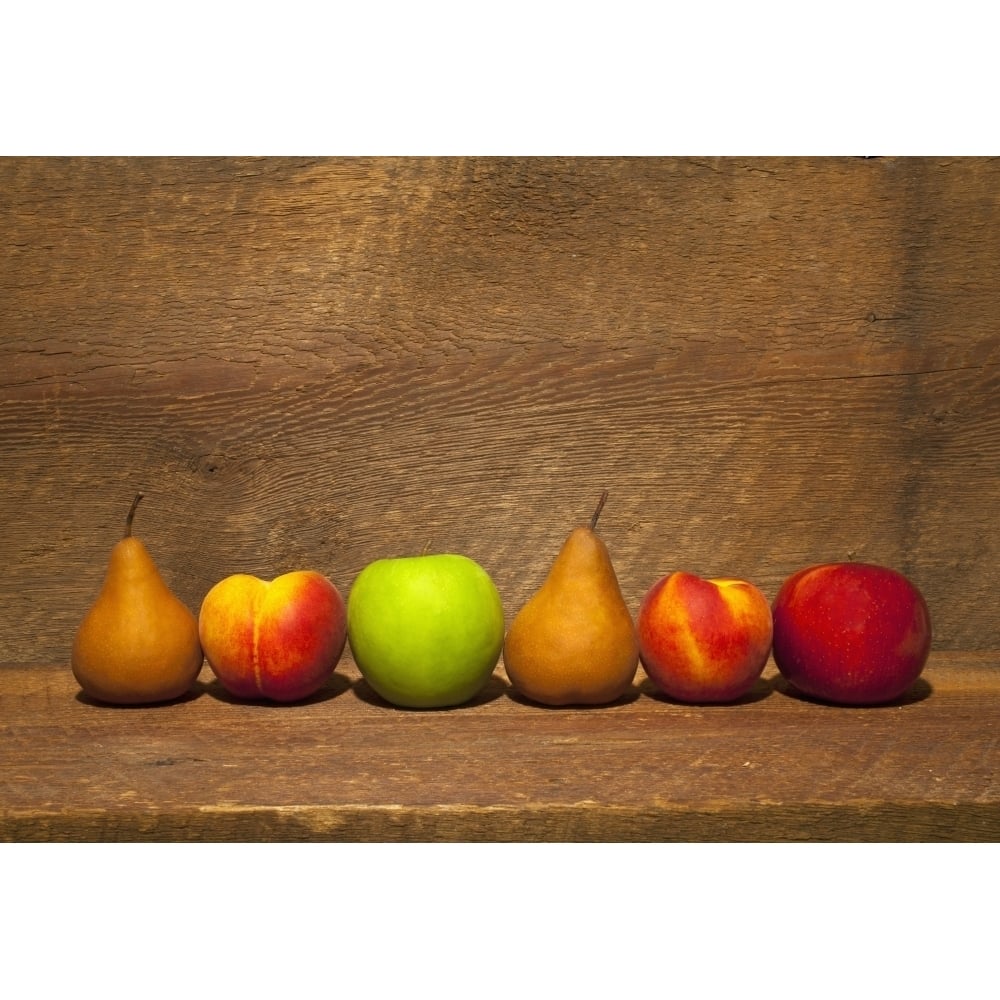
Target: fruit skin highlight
[
  {"x": 425, "y": 631},
  {"x": 704, "y": 641},
  {"x": 280, "y": 639},
  {"x": 138, "y": 643},
  {"x": 851, "y": 633}
]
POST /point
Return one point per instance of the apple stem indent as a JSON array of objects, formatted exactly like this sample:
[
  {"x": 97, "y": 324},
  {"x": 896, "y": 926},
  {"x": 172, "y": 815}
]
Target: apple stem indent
[{"x": 597, "y": 512}]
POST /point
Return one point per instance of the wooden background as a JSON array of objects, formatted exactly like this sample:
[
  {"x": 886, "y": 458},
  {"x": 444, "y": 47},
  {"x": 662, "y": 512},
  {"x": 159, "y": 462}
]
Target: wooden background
[{"x": 316, "y": 363}]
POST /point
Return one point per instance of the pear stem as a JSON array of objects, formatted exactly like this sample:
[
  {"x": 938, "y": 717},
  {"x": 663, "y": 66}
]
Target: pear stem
[
  {"x": 131, "y": 514},
  {"x": 597, "y": 513}
]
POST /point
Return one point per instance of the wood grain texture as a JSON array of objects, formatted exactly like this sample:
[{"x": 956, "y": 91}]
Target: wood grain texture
[
  {"x": 346, "y": 766},
  {"x": 315, "y": 363}
]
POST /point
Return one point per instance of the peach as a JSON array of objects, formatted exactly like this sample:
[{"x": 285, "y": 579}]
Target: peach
[
  {"x": 279, "y": 639},
  {"x": 704, "y": 640}
]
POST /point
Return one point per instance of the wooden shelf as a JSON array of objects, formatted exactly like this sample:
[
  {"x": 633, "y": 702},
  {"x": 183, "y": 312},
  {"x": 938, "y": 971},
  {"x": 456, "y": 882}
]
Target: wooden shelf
[{"x": 345, "y": 766}]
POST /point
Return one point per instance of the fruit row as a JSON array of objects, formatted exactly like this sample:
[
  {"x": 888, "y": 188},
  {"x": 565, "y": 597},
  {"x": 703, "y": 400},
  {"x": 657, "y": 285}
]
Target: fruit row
[{"x": 428, "y": 631}]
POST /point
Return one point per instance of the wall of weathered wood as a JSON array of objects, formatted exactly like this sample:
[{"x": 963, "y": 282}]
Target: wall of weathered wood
[{"x": 316, "y": 363}]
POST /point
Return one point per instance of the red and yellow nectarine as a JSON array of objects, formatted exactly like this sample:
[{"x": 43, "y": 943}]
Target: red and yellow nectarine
[
  {"x": 704, "y": 640},
  {"x": 278, "y": 639}
]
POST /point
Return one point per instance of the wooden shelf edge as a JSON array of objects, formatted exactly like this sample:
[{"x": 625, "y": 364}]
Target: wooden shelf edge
[{"x": 584, "y": 823}]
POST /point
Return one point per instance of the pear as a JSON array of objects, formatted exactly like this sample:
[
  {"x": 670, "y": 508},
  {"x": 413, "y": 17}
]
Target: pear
[
  {"x": 574, "y": 642},
  {"x": 138, "y": 644}
]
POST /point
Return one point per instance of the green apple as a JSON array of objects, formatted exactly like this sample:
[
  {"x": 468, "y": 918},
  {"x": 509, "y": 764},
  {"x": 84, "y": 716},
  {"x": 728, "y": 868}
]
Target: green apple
[{"x": 425, "y": 631}]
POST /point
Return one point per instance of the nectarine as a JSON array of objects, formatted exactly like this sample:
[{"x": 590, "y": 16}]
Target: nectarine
[
  {"x": 704, "y": 640},
  {"x": 278, "y": 639}
]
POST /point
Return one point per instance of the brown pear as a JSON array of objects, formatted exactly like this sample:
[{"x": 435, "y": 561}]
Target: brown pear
[
  {"x": 574, "y": 642},
  {"x": 138, "y": 644}
]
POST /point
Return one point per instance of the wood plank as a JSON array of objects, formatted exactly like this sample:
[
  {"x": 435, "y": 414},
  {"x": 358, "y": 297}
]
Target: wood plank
[
  {"x": 321, "y": 362},
  {"x": 346, "y": 766}
]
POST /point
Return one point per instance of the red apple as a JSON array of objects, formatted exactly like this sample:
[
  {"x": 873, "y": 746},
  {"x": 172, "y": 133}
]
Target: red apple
[
  {"x": 278, "y": 639},
  {"x": 850, "y": 633},
  {"x": 704, "y": 640}
]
